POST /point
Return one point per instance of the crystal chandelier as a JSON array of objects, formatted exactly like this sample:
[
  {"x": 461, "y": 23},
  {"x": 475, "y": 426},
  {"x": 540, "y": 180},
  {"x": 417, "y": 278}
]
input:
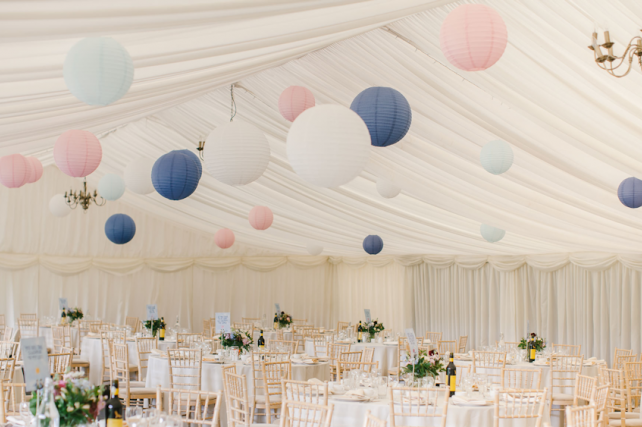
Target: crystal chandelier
[
  {"x": 612, "y": 63},
  {"x": 83, "y": 198}
]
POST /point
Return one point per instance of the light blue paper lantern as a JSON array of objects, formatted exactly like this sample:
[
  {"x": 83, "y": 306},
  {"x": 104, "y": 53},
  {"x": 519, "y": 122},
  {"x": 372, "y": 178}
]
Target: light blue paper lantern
[
  {"x": 175, "y": 175},
  {"x": 630, "y": 192},
  {"x": 496, "y": 157},
  {"x": 373, "y": 244},
  {"x": 111, "y": 187},
  {"x": 120, "y": 229},
  {"x": 492, "y": 234},
  {"x": 386, "y": 112},
  {"x": 98, "y": 70}
]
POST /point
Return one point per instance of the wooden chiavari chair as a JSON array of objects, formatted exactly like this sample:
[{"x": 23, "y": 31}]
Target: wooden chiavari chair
[
  {"x": 462, "y": 372},
  {"x": 509, "y": 345},
  {"x": 601, "y": 394},
  {"x": 344, "y": 366},
  {"x": 300, "y": 340},
  {"x": 305, "y": 391},
  {"x": 351, "y": 356},
  {"x": 462, "y": 344},
  {"x": 368, "y": 354},
  {"x": 76, "y": 363},
  {"x": 8, "y": 334},
  {"x": 59, "y": 363},
  {"x": 106, "y": 337},
  {"x": 28, "y": 328},
  {"x": 28, "y": 316},
  {"x": 200, "y": 408},
  {"x": 299, "y": 321},
  {"x": 614, "y": 415},
  {"x": 585, "y": 388},
  {"x": 372, "y": 421},
  {"x": 413, "y": 402},
  {"x": 59, "y": 338},
  {"x": 277, "y": 345},
  {"x": 304, "y": 414},
  {"x": 9, "y": 349},
  {"x": 527, "y": 379},
  {"x": 520, "y": 404},
  {"x": 490, "y": 363},
  {"x": 620, "y": 363},
  {"x": 131, "y": 396},
  {"x": 144, "y": 347},
  {"x": 342, "y": 325},
  {"x": 433, "y": 338},
  {"x": 237, "y": 400},
  {"x": 185, "y": 368},
  {"x": 7, "y": 367},
  {"x": 581, "y": 416},
  {"x": 207, "y": 329},
  {"x": 564, "y": 371},
  {"x": 620, "y": 352},
  {"x": 633, "y": 378},
  {"x": 273, "y": 373},
  {"x": 319, "y": 345},
  {"x": 11, "y": 395},
  {"x": 617, "y": 383},
  {"x": 567, "y": 349},
  {"x": 402, "y": 348},
  {"x": 333, "y": 351},
  {"x": 186, "y": 340},
  {"x": 257, "y": 359},
  {"x": 132, "y": 322},
  {"x": 447, "y": 347}
]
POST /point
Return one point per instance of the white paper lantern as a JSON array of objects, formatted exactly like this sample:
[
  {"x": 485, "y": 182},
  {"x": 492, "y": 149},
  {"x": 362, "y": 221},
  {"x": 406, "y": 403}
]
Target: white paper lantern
[
  {"x": 496, "y": 157},
  {"x": 111, "y": 187},
  {"x": 236, "y": 153},
  {"x": 314, "y": 249},
  {"x": 387, "y": 188},
  {"x": 491, "y": 234},
  {"x": 328, "y": 145},
  {"x": 58, "y": 207},
  {"x": 138, "y": 176}
]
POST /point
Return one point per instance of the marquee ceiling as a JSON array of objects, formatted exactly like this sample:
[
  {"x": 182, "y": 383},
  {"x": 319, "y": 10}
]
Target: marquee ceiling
[{"x": 575, "y": 131}]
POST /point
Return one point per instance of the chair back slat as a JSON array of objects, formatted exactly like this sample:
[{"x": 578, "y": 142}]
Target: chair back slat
[
  {"x": 185, "y": 368},
  {"x": 529, "y": 379},
  {"x": 490, "y": 363},
  {"x": 200, "y": 408},
  {"x": 418, "y": 402},
  {"x": 520, "y": 404}
]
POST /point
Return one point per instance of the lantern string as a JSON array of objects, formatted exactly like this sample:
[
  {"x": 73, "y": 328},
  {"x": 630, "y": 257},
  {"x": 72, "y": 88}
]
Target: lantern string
[{"x": 233, "y": 103}]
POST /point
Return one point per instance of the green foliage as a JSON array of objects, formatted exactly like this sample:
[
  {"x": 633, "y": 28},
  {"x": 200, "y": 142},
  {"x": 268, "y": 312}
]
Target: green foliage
[
  {"x": 284, "y": 319},
  {"x": 72, "y": 314},
  {"x": 237, "y": 338},
  {"x": 154, "y": 325},
  {"x": 539, "y": 343},
  {"x": 428, "y": 364}
]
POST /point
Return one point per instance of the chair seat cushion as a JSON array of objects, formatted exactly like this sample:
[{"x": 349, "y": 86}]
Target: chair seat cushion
[
  {"x": 629, "y": 423},
  {"x": 627, "y": 415},
  {"x": 260, "y": 398},
  {"x": 136, "y": 384},
  {"x": 79, "y": 361},
  {"x": 562, "y": 397},
  {"x": 143, "y": 390}
]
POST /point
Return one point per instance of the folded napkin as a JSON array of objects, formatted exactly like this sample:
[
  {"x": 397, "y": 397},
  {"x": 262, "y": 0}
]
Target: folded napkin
[
  {"x": 462, "y": 400},
  {"x": 311, "y": 361},
  {"x": 356, "y": 392}
]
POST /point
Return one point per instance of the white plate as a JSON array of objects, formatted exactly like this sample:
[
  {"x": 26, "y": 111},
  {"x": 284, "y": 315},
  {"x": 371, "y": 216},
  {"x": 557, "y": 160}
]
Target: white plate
[{"x": 351, "y": 398}]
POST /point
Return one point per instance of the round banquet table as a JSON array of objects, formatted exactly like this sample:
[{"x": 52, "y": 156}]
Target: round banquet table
[
  {"x": 385, "y": 354},
  {"x": 91, "y": 350}
]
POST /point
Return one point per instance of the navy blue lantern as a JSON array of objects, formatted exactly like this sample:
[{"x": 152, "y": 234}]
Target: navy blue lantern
[
  {"x": 386, "y": 112},
  {"x": 120, "y": 228},
  {"x": 193, "y": 155},
  {"x": 373, "y": 244},
  {"x": 175, "y": 175},
  {"x": 630, "y": 192}
]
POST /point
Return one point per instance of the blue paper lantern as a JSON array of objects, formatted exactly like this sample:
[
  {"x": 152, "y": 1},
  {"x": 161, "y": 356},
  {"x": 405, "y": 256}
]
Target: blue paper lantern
[
  {"x": 630, "y": 192},
  {"x": 373, "y": 244},
  {"x": 491, "y": 234},
  {"x": 496, "y": 157},
  {"x": 193, "y": 155},
  {"x": 98, "y": 70},
  {"x": 120, "y": 228},
  {"x": 386, "y": 112},
  {"x": 175, "y": 175}
]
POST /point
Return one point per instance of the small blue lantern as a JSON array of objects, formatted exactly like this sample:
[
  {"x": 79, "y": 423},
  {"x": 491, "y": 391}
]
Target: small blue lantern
[
  {"x": 630, "y": 192},
  {"x": 373, "y": 244},
  {"x": 175, "y": 175},
  {"x": 386, "y": 112},
  {"x": 120, "y": 228}
]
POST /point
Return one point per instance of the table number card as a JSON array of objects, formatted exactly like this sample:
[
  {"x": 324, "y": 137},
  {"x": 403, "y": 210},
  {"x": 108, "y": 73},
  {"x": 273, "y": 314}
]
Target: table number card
[
  {"x": 368, "y": 317},
  {"x": 412, "y": 341},
  {"x": 277, "y": 307},
  {"x": 63, "y": 304},
  {"x": 36, "y": 362},
  {"x": 223, "y": 323},
  {"x": 152, "y": 312}
]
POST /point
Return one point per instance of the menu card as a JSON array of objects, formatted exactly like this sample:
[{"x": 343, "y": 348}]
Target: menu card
[
  {"x": 368, "y": 317},
  {"x": 36, "y": 362},
  {"x": 412, "y": 341},
  {"x": 223, "y": 323},
  {"x": 152, "y": 312},
  {"x": 277, "y": 307}
]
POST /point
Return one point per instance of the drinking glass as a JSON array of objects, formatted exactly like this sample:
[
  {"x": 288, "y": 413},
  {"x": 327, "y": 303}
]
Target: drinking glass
[
  {"x": 133, "y": 414},
  {"x": 382, "y": 387},
  {"x": 25, "y": 413},
  {"x": 430, "y": 381},
  {"x": 151, "y": 414},
  {"x": 468, "y": 385}
]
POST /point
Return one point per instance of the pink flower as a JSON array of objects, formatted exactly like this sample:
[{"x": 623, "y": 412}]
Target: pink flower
[
  {"x": 246, "y": 341},
  {"x": 288, "y": 318}
]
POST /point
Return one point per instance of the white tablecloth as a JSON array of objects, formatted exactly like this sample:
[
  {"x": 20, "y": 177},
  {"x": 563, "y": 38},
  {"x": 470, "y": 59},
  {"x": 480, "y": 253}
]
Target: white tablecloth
[{"x": 386, "y": 355}]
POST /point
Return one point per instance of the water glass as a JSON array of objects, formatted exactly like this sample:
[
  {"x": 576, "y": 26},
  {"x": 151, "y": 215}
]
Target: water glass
[
  {"x": 133, "y": 414},
  {"x": 151, "y": 414},
  {"x": 382, "y": 387},
  {"x": 468, "y": 385},
  {"x": 25, "y": 413}
]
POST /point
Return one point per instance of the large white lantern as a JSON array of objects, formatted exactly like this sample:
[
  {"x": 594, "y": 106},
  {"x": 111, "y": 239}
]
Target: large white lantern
[
  {"x": 387, "y": 188},
  {"x": 111, "y": 187},
  {"x": 496, "y": 157},
  {"x": 328, "y": 145},
  {"x": 491, "y": 234},
  {"x": 314, "y": 249},
  {"x": 138, "y": 176},
  {"x": 58, "y": 207},
  {"x": 236, "y": 153}
]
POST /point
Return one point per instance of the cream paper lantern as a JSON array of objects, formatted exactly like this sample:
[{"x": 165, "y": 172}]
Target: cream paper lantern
[
  {"x": 138, "y": 176},
  {"x": 387, "y": 188},
  {"x": 491, "y": 234},
  {"x": 236, "y": 153},
  {"x": 328, "y": 145},
  {"x": 58, "y": 207},
  {"x": 111, "y": 187},
  {"x": 314, "y": 249}
]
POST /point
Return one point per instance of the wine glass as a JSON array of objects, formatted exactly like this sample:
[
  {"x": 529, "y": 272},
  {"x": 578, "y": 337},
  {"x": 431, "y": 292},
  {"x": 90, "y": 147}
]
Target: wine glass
[
  {"x": 25, "y": 413},
  {"x": 133, "y": 414}
]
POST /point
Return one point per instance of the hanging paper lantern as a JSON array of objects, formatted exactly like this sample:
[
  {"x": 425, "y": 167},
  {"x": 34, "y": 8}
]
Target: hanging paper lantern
[
  {"x": 328, "y": 145},
  {"x": 77, "y": 153},
  {"x": 236, "y": 153},
  {"x": 98, "y": 70},
  {"x": 496, "y": 157},
  {"x": 387, "y": 188},
  {"x": 58, "y": 206},
  {"x": 295, "y": 100},
  {"x": 373, "y": 244},
  {"x": 175, "y": 175},
  {"x": 386, "y": 112},
  {"x": 196, "y": 159},
  {"x": 261, "y": 217},
  {"x": 120, "y": 229},
  {"x": 491, "y": 234},
  {"x": 14, "y": 169},
  {"x": 35, "y": 170},
  {"x": 138, "y": 176},
  {"x": 314, "y": 249},
  {"x": 473, "y": 37},
  {"x": 111, "y": 187},
  {"x": 224, "y": 238},
  {"x": 630, "y": 192}
]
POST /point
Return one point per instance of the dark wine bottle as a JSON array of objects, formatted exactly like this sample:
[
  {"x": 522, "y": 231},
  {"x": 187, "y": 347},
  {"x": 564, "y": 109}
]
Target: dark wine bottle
[
  {"x": 114, "y": 408},
  {"x": 531, "y": 350},
  {"x": 359, "y": 332},
  {"x": 451, "y": 374},
  {"x": 161, "y": 335},
  {"x": 261, "y": 341},
  {"x": 276, "y": 321},
  {"x": 63, "y": 316}
]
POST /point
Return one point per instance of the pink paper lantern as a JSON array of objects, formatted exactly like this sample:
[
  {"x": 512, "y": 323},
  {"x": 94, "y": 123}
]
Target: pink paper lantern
[
  {"x": 261, "y": 217},
  {"x": 473, "y": 37},
  {"x": 295, "y": 100},
  {"x": 34, "y": 170},
  {"x": 13, "y": 170},
  {"x": 77, "y": 153},
  {"x": 224, "y": 238}
]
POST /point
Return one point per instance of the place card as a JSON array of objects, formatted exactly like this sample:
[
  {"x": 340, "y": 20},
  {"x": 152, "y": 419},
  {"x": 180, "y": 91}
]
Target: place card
[
  {"x": 63, "y": 304},
  {"x": 412, "y": 341},
  {"x": 223, "y": 323},
  {"x": 36, "y": 362},
  {"x": 368, "y": 317},
  {"x": 152, "y": 312},
  {"x": 277, "y": 307}
]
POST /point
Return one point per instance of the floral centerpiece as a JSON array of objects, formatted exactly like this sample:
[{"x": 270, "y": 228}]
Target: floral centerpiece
[
  {"x": 539, "y": 343},
  {"x": 154, "y": 325},
  {"x": 284, "y": 320},
  {"x": 75, "y": 397},
  {"x": 237, "y": 338},
  {"x": 428, "y": 364},
  {"x": 373, "y": 327},
  {"x": 72, "y": 314}
]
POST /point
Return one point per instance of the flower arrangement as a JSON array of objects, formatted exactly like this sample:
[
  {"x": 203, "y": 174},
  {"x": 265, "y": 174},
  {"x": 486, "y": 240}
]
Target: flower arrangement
[
  {"x": 427, "y": 364},
  {"x": 237, "y": 338},
  {"x": 373, "y": 327},
  {"x": 72, "y": 314},
  {"x": 154, "y": 325},
  {"x": 75, "y": 397},
  {"x": 284, "y": 320},
  {"x": 539, "y": 343}
]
